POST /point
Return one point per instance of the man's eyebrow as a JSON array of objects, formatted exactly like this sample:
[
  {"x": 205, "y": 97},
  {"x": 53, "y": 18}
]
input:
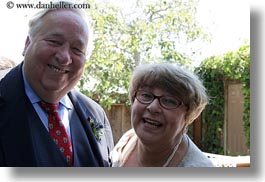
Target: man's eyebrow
[{"x": 55, "y": 34}]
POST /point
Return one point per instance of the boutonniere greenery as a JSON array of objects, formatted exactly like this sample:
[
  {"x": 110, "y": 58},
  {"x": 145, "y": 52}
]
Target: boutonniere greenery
[{"x": 97, "y": 128}]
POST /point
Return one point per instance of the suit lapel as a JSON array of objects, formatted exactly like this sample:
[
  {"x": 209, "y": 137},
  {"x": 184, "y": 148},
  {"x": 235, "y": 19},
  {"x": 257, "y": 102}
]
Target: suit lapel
[
  {"x": 46, "y": 151},
  {"x": 85, "y": 144}
]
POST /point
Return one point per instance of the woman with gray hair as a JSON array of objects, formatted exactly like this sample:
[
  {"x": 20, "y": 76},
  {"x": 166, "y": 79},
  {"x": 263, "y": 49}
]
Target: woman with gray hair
[{"x": 165, "y": 98}]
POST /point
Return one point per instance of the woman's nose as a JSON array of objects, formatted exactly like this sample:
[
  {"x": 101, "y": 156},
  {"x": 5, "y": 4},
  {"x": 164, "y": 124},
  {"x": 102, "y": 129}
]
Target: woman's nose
[{"x": 154, "y": 107}]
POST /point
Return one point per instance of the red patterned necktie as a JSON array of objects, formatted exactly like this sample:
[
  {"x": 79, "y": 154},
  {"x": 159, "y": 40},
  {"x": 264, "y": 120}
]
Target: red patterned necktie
[{"x": 57, "y": 131}]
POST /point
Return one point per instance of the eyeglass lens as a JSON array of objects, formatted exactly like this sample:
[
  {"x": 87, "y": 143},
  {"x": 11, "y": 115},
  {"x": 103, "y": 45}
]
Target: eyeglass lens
[{"x": 167, "y": 102}]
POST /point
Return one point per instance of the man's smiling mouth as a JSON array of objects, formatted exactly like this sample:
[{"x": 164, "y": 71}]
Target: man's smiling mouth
[{"x": 56, "y": 69}]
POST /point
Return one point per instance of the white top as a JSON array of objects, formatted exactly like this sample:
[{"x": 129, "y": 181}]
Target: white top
[{"x": 194, "y": 157}]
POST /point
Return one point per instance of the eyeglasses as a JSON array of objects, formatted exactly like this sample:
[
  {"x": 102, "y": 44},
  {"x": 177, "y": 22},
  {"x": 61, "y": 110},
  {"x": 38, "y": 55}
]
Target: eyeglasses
[{"x": 167, "y": 102}]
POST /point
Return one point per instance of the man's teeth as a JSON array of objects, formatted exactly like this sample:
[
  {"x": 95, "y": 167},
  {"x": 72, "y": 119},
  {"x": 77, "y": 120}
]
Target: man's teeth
[{"x": 56, "y": 69}]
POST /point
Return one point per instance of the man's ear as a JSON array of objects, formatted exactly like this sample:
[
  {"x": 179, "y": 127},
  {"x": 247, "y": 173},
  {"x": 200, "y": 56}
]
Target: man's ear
[{"x": 27, "y": 42}]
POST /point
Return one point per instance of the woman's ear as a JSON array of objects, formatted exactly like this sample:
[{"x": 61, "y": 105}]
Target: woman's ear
[{"x": 27, "y": 42}]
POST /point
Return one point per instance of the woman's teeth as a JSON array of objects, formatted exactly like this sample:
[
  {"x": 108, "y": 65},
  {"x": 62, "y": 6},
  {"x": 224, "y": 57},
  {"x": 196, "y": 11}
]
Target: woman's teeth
[{"x": 152, "y": 122}]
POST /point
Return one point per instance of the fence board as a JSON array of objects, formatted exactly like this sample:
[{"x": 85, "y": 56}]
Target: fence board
[
  {"x": 236, "y": 139},
  {"x": 119, "y": 118}
]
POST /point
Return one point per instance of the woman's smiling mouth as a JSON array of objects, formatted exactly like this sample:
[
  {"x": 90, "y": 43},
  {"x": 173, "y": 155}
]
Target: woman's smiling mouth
[{"x": 152, "y": 122}]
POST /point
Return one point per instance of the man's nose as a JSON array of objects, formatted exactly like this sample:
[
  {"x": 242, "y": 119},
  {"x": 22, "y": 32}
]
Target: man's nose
[{"x": 64, "y": 56}]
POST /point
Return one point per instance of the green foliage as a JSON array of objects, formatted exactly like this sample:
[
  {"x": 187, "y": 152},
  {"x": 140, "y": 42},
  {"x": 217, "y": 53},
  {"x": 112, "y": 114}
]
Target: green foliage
[
  {"x": 214, "y": 71},
  {"x": 149, "y": 32}
]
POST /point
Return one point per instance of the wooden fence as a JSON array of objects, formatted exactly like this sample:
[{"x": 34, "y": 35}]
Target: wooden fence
[
  {"x": 234, "y": 135},
  {"x": 120, "y": 119}
]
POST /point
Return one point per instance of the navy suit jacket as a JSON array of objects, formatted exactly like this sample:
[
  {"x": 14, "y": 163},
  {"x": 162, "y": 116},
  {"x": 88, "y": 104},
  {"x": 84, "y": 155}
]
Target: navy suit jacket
[{"x": 24, "y": 141}]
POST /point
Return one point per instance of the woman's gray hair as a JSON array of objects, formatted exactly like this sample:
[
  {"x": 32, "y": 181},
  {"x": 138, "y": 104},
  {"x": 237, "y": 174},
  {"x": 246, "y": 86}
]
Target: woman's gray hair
[{"x": 174, "y": 79}]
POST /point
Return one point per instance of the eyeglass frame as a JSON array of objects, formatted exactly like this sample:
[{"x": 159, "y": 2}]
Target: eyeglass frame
[{"x": 159, "y": 98}]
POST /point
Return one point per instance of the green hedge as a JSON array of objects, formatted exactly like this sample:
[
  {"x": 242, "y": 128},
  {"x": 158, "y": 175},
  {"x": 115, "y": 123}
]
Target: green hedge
[{"x": 214, "y": 71}]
